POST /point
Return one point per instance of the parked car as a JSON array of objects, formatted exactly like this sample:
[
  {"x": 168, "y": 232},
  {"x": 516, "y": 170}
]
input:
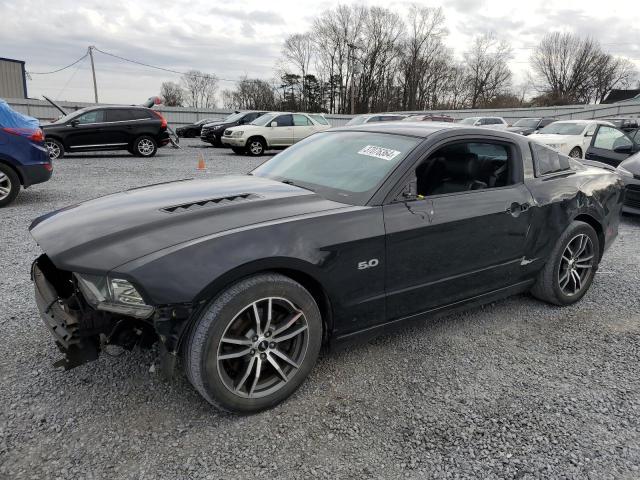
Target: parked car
[
  {"x": 24, "y": 160},
  {"x": 497, "y": 123},
  {"x": 377, "y": 117},
  {"x": 345, "y": 234},
  {"x": 212, "y": 132},
  {"x": 194, "y": 129},
  {"x": 626, "y": 124},
  {"x": 272, "y": 131},
  {"x": 570, "y": 137},
  {"x": 610, "y": 145},
  {"x": 139, "y": 130},
  {"x": 428, "y": 117},
  {"x": 629, "y": 170},
  {"x": 527, "y": 126}
]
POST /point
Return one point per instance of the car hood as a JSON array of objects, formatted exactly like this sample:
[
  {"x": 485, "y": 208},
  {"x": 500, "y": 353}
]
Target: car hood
[
  {"x": 551, "y": 139},
  {"x": 216, "y": 124},
  {"x": 632, "y": 164},
  {"x": 98, "y": 235}
]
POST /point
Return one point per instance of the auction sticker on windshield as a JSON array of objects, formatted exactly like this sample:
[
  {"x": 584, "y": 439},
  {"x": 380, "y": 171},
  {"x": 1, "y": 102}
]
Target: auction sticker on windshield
[{"x": 379, "y": 152}]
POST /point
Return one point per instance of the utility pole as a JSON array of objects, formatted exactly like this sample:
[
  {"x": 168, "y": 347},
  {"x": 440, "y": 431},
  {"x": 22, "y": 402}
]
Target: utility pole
[
  {"x": 93, "y": 71},
  {"x": 352, "y": 47}
]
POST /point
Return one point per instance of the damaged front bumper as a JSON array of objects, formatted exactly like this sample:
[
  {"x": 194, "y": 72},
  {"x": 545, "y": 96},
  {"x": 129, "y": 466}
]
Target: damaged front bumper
[{"x": 81, "y": 332}]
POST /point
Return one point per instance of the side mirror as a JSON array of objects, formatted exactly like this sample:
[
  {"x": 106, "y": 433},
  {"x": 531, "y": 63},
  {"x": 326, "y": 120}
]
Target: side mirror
[
  {"x": 588, "y": 134},
  {"x": 410, "y": 191},
  {"x": 75, "y": 123},
  {"x": 623, "y": 149},
  {"x": 273, "y": 124}
]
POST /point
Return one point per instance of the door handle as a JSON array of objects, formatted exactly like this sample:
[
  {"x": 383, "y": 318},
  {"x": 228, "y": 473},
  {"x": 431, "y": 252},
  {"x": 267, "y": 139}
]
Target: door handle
[{"x": 515, "y": 209}]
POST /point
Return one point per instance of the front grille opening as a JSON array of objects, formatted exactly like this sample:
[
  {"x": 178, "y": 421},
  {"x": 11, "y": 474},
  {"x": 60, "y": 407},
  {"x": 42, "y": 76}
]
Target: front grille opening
[{"x": 212, "y": 202}]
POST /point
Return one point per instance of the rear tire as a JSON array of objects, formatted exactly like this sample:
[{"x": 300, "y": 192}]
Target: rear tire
[
  {"x": 272, "y": 331},
  {"x": 239, "y": 150},
  {"x": 571, "y": 266},
  {"x": 145, "y": 146},
  {"x": 55, "y": 148},
  {"x": 9, "y": 185}
]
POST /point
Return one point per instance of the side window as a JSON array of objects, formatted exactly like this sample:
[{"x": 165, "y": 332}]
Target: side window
[
  {"x": 462, "y": 167},
  {"x": 548, "y": 161},
  {"x": 118, "y": 115},
  {"x": 284, "y": 121},
  {"x": 636, "y": 136},
  {"x": 95, "y": 116},
  {"x": 609, "y": 138},
  {"x": 544, "y": 122},
  {"x": 301, "y": 120},
  {"x": 374, "y": 119},
  {"x": 139, "y": 114}
]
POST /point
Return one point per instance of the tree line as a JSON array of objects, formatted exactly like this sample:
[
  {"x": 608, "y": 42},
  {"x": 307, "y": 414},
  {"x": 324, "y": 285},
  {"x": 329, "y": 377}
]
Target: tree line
[{"x": 360, "y": 59}]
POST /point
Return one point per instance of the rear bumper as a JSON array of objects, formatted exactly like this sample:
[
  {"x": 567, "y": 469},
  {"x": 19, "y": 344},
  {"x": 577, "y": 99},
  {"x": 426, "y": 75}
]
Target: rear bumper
[
  {"x": 39, "y": 173},
  {"x": 163, "y": 139}
]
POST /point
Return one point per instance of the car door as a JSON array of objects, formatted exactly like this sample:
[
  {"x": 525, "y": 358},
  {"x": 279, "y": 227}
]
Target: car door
[
  {"x": 443, "y": 248},
  {"x": 302, "y": 127},
  {"x": 120, "y": 127},
  {"x": 610, "y": 145},
  {"x": 281, "y": 135},
  {"x": 86, "y": 130}
]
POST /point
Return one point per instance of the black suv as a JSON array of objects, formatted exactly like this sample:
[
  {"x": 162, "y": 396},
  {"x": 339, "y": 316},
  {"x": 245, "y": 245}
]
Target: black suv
[
  {"x": 139, "y": 130},
  {"x": 212, "y": 132}
]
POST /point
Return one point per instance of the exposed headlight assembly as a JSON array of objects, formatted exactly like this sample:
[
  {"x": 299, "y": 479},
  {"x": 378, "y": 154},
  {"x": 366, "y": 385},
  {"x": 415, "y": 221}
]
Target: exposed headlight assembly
[
  {"x": 113, "y": 295},
  {"x": 237, "y": 133}
]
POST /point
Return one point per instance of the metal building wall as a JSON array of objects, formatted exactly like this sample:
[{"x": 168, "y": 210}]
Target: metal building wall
[{"x": 12, "y": 79}]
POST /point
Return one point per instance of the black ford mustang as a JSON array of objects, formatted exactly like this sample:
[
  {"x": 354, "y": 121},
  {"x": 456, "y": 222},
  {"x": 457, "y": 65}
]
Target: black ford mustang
[{"x": 344, "y": 234}]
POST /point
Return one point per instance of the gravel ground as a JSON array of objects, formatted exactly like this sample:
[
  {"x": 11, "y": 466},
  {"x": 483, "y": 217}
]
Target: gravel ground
[{"x": 517, "y": 389}]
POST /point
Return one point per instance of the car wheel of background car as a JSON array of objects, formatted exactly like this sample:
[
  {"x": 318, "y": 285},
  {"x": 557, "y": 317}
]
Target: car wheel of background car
[
  {"x": 239, "y": 150},
  {"x": 576, "y": 152},
  {"x": 256, "y": 147},
  {"x": 55, "y": 148},
  {"x": 571, "y": 267},
  {"x": 145, "y": 146},
  {"x": 9, "y": 185},
  {"x": 254, "y": 344}
]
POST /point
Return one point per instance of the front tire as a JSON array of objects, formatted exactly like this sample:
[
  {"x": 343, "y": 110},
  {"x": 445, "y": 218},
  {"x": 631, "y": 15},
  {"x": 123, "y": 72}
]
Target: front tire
[
  {"x": 9, "y": 185},
  {"x": 571, "y": 267},
  {"x": 145, "y": 146},
  {"x": 256, "y": 147},
  {"x": 576, "y": 152},
  {"x": 55, "y": 148},
  {"x": 254, "y": 344}
]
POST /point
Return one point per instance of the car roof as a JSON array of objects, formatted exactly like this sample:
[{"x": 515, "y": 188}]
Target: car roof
[
  {"x": 413, "y": 129},
  {"x": 580, "y": 120}
]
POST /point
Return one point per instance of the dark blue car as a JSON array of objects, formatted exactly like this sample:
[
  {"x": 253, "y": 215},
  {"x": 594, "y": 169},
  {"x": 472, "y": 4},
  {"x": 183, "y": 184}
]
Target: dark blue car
[{"x": 24, "y": 159}]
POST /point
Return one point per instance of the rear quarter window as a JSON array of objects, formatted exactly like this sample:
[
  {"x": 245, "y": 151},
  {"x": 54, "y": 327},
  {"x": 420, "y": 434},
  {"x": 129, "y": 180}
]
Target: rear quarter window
[{"x": 547, "y": 160}]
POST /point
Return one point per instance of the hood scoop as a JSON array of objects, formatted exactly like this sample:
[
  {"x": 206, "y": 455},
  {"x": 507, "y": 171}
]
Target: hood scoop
[{"x": 212, "y": 202}]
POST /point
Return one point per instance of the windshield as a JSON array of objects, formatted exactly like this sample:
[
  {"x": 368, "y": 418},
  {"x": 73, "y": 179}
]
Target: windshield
[
  {"x": 234, "y": 116},
  {"x": 527, "y": 122},
  {"x": 359, "y": 120},
  {"x": 319, "y": 118},
  {"x": 563, "y": 128},
  {"x": 469, "y": 121},
  {"x": 67, "y": 118},
  {"x": 343, "y": 166},
  {"x": 263, "y": 120}
]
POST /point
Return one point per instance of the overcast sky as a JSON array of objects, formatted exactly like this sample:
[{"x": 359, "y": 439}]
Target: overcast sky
[{"x": 233, "y": 39}]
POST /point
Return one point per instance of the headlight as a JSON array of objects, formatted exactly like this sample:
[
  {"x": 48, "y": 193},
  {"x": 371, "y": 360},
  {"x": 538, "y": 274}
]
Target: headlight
[
  {"x": 237, "y": 133},
  {"x": 113, "y": 295},
  {"x": 624, "y": 172}
]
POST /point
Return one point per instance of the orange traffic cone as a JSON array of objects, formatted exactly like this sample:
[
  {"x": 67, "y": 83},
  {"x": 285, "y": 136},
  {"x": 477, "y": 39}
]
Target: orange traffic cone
[{"x": 201, "y": 165}]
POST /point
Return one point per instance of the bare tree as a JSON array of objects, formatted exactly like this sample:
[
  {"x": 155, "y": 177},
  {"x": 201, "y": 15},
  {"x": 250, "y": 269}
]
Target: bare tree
[
  {"x": 609, "y": 73},
  {"x": 298, "y": 50},
  {"x": 250, "y": 94},
  {"x": 564, "y": 64},
  {"x": 172, "y": 94},
  {"x": 200, "y": 89},
  {"x": 487, "y": 69}
]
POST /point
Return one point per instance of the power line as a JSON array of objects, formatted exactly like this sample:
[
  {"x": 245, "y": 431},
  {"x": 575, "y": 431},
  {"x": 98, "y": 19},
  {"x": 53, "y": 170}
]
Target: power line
[
  {"x": 60, "y": 69},
  {"x": 69, "y": 80},
  {"x": 158, "y": 68}
]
